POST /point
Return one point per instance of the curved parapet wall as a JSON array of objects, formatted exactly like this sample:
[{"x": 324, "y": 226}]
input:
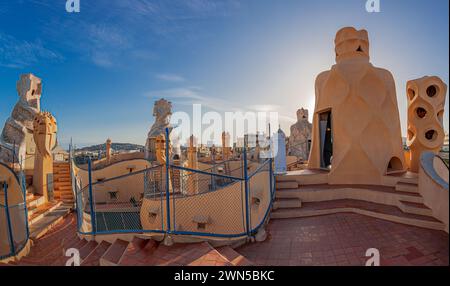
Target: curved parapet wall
[
  {"x": 114, "y": 159},
  {"x": 218, "y": 213},
  {"x": 221, "y": 206},
  {"x": 16, "y": 210},
  {"x": 433, "y": 186},
  {"x": 111, "y": 171}
]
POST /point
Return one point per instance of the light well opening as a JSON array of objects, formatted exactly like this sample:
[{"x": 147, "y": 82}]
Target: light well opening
[
  {"x": 431, "y": 135},
  {"x": 395, "y": 164},
  {"x": 421, "y": 112},
  {"x": 432, "y": 90}
]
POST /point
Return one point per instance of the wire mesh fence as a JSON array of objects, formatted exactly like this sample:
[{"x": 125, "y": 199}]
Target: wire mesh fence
[
  {"x": 230, "y": 198},
  {"x": 14, "y": 233}
]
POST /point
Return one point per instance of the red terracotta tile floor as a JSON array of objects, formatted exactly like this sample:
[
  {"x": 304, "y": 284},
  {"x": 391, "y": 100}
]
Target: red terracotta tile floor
[{"x": 342, "y": 239}]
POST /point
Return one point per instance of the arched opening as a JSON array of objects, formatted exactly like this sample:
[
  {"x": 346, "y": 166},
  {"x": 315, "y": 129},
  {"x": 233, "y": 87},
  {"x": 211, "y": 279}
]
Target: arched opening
[
  {"x": 395, "y": 165},
  {"x": 421, "y": 112},
  {"x": 431, "y": 135},
  {"x": 326, "y": 139},
  {"x": 432, "y": 90}
]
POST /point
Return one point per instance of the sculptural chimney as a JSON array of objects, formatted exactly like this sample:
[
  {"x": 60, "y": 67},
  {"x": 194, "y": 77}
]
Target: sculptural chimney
[{"x": 44, "y": 132}]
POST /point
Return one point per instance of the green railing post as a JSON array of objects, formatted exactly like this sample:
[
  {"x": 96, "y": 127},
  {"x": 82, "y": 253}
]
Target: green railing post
[
  {"x": 8, "y": 219},
  {"x": 91, "y": 198}
]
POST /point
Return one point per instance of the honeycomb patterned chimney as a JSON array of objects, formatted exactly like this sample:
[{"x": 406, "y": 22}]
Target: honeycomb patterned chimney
[{"x": 426, "y": 99}]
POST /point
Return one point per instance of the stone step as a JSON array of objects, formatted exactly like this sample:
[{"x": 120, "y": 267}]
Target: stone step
[
  {"x": 357, "y": 192},
  {"x": 114, "y": 253},
  {"x": 61, "y": 165},
  {"x": 287, "y": 185},
  {"x": 379, "y": 211},
  {"x": 62, "y": 179},
  {"x": 86, "y": 250},
  {"x": 187, "y": 254},
  {"x": 65, "y": 194},
  {"x": 41, "y": 211},
  {"x": 30, "y": 195},
  {"x": 62, "y": 184},
  {"x": 47, "y": 249},
  {"x": 61, "y": 261},
  {"x": 287, "y": 203},
  {"x": 415, "y": 208},
  {"x": 63, "y": 188},
  {"x": 138, "y": 251},
  {"x": 235, "y": 258},
  {"x": 305, "y": 177},
  {"x": 61, "y": 170},
  {"x": 406, "y": 187},
  {"x": 36, "y": 201},
  {"x": 93, "y": 259},
  {"x": 58, "y": 175},
  {"x": 49, "y": 220},
  {"x": 55, "y": 255}
]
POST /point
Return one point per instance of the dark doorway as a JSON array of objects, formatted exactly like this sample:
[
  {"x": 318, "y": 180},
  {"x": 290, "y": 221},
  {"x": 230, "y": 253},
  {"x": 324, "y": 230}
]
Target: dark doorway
[{"x": 326, "y": 139}]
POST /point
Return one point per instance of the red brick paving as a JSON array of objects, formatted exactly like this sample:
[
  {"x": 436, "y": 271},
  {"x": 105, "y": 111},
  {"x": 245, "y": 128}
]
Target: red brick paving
[
  {"x": 197, "y": 254},
  {"x": 338, "y": 239},
  {"x": 342, "y": 239}
]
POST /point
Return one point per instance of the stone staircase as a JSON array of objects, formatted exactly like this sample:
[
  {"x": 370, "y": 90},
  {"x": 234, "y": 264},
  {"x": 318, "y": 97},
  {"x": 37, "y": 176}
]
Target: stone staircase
[
  {"x": 401, "y": 204},
  {"x": 50, "y": 249},
  {"x": 42, "y": 215},
  {"x": 62, "y": 183}
]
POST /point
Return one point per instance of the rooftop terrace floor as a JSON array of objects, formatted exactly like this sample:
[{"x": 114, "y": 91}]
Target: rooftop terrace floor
[{"x": 342, "y": 239}]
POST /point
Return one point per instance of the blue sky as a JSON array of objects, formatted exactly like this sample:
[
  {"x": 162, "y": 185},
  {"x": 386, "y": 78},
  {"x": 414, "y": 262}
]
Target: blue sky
[{"x": 104, "y": 67}]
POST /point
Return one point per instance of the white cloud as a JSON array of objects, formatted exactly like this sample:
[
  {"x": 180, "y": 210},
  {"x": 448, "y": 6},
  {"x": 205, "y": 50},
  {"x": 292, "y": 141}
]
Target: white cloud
[
  {"x": 15, "y": 53},
  {"x": 190, "y": 95}
]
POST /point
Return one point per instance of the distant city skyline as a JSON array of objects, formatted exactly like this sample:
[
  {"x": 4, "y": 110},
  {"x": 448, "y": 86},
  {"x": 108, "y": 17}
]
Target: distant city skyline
[{"x": 103, "y": 68}]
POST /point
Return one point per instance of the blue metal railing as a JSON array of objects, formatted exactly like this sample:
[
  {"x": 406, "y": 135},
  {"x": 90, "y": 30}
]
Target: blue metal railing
[
  {"x": 16, "y": 234},
  {"x": 123, "y": 215}
]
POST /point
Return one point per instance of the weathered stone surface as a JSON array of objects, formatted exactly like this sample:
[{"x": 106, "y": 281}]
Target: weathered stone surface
[
  {"x": 426, "y": 101},
  {"x": 12, "y": 140},
  {"x": 356, "y": 113},
  {"x": 300, "y": 134},
  {"x": 44, "y": 132},
  {"x": 162, "y": 111}
]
